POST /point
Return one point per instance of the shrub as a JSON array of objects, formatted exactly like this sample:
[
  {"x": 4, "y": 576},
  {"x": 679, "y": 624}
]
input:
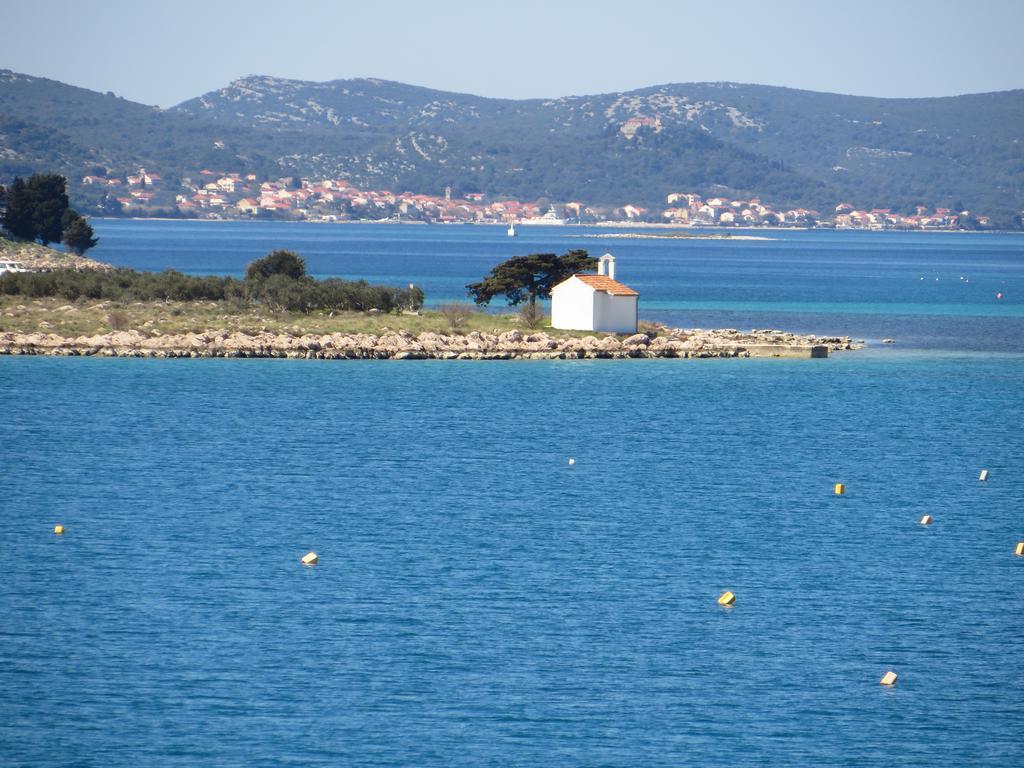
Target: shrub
[
  {"x": 279, "y": 262},
  {"x": 532, "y": 315},
  {"x": 282, "y": 293},
  {"x": 456, "y": 313},
  {"x": 278, "y": 290},
  {"x": 118, "y": 320},
  {"x": 410, "y": 298}
]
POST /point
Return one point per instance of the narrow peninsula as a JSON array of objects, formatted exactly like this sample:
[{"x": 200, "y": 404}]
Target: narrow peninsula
[{"x": 277, "y": 311}]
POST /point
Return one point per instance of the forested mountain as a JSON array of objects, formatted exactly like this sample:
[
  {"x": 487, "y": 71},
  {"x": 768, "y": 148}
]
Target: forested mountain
[{"x": 787, "y": 146}]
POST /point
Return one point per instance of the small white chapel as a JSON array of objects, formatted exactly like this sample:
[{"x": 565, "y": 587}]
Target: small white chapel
[{"x": 598, "y": 302}]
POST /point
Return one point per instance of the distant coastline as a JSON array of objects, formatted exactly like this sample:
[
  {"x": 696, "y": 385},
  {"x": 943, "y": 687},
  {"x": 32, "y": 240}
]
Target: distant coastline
[
  {"x": 712, "y": 232},
  {"x": 674, "y": 236}
]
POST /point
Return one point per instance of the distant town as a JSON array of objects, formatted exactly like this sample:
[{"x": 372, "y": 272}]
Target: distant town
[{"x": 236, "y": 196}]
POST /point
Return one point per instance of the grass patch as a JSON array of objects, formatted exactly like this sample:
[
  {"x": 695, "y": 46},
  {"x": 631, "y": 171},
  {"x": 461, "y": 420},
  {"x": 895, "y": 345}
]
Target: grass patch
[{"x": 90, "y": 317}]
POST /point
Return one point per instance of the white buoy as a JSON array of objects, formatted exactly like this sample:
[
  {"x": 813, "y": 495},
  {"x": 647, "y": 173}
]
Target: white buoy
[{"x": 572, "y": 462}]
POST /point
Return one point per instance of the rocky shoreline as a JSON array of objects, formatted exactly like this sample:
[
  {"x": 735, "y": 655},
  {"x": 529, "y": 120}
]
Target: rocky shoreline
[{"x": 402, "y": 345}]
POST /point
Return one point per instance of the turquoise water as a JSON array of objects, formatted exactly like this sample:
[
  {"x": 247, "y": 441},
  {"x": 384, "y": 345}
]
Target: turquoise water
[
  {"x": 480, "y": 602},
  {"x": 928, "y": 290}
]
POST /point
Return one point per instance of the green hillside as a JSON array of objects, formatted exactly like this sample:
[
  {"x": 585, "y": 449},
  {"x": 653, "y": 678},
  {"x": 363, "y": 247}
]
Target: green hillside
[{"x": 789, "y": 147}]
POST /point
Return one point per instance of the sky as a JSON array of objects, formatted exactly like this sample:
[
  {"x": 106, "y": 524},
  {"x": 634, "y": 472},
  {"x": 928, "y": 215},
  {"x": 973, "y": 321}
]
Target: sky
[{"x": 167, "y": 53}]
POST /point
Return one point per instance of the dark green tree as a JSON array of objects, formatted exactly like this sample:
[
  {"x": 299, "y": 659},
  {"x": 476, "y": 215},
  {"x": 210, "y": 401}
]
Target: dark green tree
[
  {"x": 278, "y": 262},
  {"x": 18, "y": 216},
  {"x": 68, "y": 218},
  {"x": 78, "y": 234},
  {"x": 529, "y": 277},
  {"x": 49, "y": 202}
]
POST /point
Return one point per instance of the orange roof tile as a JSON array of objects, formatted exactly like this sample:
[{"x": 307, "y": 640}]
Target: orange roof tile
[{"x": 605, "y": 283}]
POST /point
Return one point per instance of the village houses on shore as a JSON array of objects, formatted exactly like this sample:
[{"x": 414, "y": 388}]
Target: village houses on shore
[{"x": 229, "y": 195}]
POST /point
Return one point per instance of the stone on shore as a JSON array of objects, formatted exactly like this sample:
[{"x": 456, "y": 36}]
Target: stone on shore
[{"x": 662, "y": 342}]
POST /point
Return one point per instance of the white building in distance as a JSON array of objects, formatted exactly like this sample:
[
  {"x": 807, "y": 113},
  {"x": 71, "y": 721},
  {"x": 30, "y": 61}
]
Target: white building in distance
[{"x": 595, "y": 302}]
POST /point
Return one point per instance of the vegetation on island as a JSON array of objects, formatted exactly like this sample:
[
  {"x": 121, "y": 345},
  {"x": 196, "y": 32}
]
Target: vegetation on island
[
  {"x": 38, "y": 210},
  {"x": 527, "y": 278},
  {"x": 276, "y": 295},
  {"x": 86, "y": 317},
  {"x": 523, "y": 279},
  {"x": 277, "y": 282}
]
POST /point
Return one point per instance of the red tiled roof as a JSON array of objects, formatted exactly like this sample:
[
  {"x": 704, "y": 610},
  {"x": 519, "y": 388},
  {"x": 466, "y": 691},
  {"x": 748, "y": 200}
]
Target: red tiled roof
[{"x": 605, "y": 283}]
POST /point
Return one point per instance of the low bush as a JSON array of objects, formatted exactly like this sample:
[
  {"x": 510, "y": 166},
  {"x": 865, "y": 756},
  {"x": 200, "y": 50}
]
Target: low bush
[
  {"x": 532, "y": 316},
  {"x": 278, "y": 292},
  {"x": 118, "y": 320},
  {"x": 456, "y": 313}
]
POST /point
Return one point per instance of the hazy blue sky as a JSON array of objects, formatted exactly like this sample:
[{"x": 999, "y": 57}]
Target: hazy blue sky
[{"x": 163, "y": 54}]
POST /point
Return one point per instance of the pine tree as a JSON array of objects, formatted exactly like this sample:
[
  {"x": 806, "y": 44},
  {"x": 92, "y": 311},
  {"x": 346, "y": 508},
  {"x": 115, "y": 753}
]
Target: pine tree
[
  {"x": 78, "y": 234},
  {"x": 18, "y": 216},
  {"x": 69, "y": 217},
  {"x": 527, "y": 278},
  {"x": 48, "y": 192}
]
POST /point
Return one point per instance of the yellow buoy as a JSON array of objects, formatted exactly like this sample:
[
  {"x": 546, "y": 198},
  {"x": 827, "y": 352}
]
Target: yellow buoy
[
  {"x": 889, "y": 678},
  {"x": 983, "y": 476},
  {"x": 1020, "y": 549},
  {"x": 58, "y": 529},
  {"x": 926, "y": 520},
  {"x": 310, "y": 558},
  {"x": 840, "y": 489},
  {"x": 727, "y": 598}
]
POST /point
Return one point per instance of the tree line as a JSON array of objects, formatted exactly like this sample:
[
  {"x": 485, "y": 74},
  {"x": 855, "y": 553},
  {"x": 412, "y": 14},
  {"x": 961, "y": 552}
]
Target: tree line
[
  {"x": 38, "y": 210},
  {"x": 278, "y": 281}
]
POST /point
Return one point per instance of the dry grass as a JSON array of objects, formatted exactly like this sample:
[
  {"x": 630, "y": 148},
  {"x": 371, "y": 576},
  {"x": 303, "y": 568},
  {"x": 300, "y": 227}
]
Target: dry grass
[
  {"x": 90, "y": 317},
  {"x": 456, "y": 314}
]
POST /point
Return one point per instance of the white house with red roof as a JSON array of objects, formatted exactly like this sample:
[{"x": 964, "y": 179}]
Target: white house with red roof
[{"x": 587, "y": 302}]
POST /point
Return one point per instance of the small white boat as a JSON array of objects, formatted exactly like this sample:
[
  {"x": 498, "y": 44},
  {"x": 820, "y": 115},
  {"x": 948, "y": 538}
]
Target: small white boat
[{"x": 512, "y": 229}]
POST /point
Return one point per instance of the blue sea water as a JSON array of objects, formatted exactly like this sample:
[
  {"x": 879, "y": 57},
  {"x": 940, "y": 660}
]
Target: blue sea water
[{"x": 478, "y": 600}]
